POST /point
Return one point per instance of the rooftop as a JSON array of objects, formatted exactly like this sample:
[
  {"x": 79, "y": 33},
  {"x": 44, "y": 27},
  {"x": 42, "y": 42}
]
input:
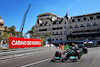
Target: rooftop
[
  {"x": 86, "y": 15},
  {"x": 48, "y": 14}
]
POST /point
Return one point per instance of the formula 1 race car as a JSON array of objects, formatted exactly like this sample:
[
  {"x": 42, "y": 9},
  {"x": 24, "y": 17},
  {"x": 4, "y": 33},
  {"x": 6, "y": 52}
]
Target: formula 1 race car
[
  {"x": 72, "y": 54},
  {"x": 85, "y": 50}
]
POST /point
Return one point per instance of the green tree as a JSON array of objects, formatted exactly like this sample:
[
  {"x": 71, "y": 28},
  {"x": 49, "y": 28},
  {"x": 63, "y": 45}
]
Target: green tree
[
  {"x": 32, "y": 33},
  {"x": 12, "y": 30}
]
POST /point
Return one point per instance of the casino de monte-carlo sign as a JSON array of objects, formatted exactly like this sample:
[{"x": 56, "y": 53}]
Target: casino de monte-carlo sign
[{"x": 15, "y": 42}]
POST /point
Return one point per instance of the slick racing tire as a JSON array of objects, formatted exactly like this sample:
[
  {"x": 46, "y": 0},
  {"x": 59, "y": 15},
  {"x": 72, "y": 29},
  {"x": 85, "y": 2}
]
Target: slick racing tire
[
  {"x": 79, "y": 56},
  {"x": 52, "y": 60},
  {"x": 63, "y": 60},
  {"x": 75, "y": 60}
]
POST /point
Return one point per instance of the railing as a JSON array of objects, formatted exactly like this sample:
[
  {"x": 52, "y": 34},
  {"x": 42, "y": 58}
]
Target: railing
[
  {"x": 84, "y": 33},
  {"x": 85, "y": 29},
  {"x": 15, "y": 53}
]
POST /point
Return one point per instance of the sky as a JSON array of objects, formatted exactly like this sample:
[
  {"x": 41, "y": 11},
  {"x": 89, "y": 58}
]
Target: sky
[{"x": 12, "y": 11}]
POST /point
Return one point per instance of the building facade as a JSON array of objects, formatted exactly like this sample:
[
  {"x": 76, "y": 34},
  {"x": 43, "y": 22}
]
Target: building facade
[
  {"x": 69, "y": 29},
  {"x": 53, "y": 24},
  {"x": 1, "y": 26},
  {"x": 4, "y": 32},
  {"x": 84, "y": 27}
]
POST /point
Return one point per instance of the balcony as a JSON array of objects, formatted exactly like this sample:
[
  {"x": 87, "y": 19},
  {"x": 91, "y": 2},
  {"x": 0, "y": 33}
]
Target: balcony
[
  {"x": 87, "y": 28},
  {"x": 57, "y": 25},
  {"x": 58, "y": 35},
  {"x": 84, "y": 33},
  {"x": 57, "y": 28},
  {"x": 43, "y": 27}
]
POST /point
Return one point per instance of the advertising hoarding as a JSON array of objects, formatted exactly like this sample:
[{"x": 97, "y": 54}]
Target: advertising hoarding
[{"x": 15, "y": 42}]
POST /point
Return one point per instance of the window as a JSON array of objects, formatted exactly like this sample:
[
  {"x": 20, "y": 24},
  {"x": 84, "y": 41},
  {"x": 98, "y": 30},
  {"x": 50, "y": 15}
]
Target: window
[
  {"x": 88, "y": 24},
  {"x": 41, "y": 25},
  {"x": 45, "y": 22},
  {"x": 60, "y": 39},
  {"x": 65, "y": 27},
  {"x": 84, "y": 19},
  {"x": 91, "y": 18},
  {"x": 49, "y": 28},
  {"x": 73, "y": 20},
  {"x": 98, "y": 17},
  {"x": 57, "y": 28},
  {"x": 42, "y": 29},
  {"x": 76, "y": 26},
  {"x": 82, "y": 25},
  {"x": 87, "y": 19},
  {"x": 95, "y": 24},
  {"x": 56, "y": 32},
  {"x": 64, "y": 32},
  {"x": 70, "y": 26},
  {"x": 70, "y": 32},
  {"x": 78, "y": 20},
  {"x": 56, "y": 39},
  {"x": 54, "y": 22},
  {"x": 65, "y": 22}
]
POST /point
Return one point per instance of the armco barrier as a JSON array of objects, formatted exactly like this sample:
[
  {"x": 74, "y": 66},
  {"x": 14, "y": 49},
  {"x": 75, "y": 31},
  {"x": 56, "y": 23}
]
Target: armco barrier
[{"x": 14, "y": 54}]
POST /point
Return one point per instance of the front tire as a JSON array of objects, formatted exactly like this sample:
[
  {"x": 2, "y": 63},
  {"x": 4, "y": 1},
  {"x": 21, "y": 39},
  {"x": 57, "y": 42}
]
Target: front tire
[
  {"x": 62, "y": 60},
  {"x": 52, "y": 60},
  {"x": 79, "y": 56}
]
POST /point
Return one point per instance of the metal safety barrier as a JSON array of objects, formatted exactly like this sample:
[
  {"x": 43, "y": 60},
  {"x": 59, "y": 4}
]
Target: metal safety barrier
[{"x": 18, "y": 53}]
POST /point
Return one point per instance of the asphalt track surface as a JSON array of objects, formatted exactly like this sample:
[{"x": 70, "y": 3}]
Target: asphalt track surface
[{"x": 91, "y": 59}]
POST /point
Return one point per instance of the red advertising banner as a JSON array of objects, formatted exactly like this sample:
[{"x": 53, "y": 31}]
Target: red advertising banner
[{"x": 15, "y": 42}]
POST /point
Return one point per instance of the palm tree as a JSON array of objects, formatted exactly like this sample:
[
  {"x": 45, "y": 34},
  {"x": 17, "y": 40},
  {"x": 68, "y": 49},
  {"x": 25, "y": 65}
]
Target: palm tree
[
  {"x": 32, "y": 32},
  {"x": 18, "y": 34}
]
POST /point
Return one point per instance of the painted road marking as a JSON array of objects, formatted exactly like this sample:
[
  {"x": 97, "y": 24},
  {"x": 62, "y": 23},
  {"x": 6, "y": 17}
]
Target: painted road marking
[{"x": 35, "y": 63}]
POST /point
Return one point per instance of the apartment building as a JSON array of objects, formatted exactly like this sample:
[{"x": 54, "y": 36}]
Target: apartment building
[
  {"x": 69, "y": 29},
  {"x": 53, "y": 24},
  {"x": 84, "y": 27}
]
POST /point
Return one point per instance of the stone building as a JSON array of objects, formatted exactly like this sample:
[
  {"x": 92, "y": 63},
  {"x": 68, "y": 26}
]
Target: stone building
[{"x": 69, "y": 29}]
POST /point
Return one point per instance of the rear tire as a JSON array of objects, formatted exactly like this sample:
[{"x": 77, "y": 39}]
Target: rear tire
[
  {"x": 52, "y": 60},
  {"x": 75, "y": 60}
]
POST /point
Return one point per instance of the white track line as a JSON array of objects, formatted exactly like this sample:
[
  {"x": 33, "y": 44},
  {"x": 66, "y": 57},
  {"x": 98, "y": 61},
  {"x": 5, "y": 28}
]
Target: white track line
[{"x": 35, "y": 63}]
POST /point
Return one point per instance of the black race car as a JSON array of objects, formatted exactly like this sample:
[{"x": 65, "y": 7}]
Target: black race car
[
  {"x": 85, "y": 50},
  {"x": 72, "y": 54}
]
